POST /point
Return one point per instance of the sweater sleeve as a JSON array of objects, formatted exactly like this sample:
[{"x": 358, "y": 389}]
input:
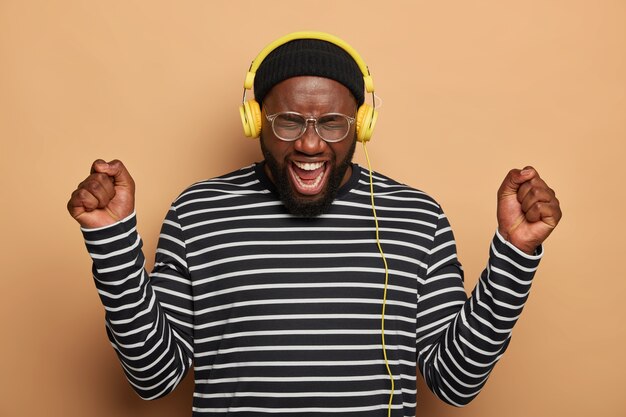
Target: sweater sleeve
[
  {"x": 460, "y": 340},
  {"x": 148, "y": 318}
]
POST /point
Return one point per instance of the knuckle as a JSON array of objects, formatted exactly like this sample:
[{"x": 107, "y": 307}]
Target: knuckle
[
  {"x": 93, "y": 186},
  {"x": 116, "y": 163},
  {"x": 82, "y": 194},
  {"x": 75, "y": 194},
  {"x": 101, "y": 177}
]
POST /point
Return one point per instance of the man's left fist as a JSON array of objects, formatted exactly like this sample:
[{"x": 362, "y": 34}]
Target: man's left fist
[{"x": 528, "y": 209}]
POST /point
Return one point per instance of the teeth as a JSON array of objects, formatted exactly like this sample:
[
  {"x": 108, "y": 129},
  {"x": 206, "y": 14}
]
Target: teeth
[{"x": 309, "y": 166}]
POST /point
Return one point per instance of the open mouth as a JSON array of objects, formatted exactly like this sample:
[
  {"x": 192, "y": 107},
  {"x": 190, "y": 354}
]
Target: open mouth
[{"x": 308, "y": 178}]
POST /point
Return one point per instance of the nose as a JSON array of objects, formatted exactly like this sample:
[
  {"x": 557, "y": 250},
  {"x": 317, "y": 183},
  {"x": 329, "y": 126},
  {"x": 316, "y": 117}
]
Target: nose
[{"x": 310, "y": 143}]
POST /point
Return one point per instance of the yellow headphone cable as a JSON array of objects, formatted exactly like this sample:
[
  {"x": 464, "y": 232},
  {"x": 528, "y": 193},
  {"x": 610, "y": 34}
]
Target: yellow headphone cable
[{"x": 382, "y": 255}]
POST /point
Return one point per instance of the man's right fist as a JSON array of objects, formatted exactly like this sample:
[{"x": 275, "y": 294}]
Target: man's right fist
[{"x": 106, "y": 196}]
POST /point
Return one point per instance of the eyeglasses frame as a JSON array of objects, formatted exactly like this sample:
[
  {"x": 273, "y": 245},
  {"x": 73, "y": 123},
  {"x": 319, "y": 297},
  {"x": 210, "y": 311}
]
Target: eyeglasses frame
[{"x": 308, "y": 119}]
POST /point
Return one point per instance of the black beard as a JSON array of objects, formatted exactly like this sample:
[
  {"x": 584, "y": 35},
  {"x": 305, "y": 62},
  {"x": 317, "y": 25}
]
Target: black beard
[{"x": 301, "y": 207}]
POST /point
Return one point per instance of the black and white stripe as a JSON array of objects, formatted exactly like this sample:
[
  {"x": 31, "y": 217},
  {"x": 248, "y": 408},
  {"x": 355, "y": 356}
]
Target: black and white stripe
[{"x": 281, "y": 315}]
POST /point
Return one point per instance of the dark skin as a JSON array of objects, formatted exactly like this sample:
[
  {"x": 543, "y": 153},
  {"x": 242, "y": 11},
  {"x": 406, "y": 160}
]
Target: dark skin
[
  {"x": 104, "y": 197},
  {"x": 311, "y": 96},
  {"x": 308, "y": 192},
  {"x": 527, "y": 210}
]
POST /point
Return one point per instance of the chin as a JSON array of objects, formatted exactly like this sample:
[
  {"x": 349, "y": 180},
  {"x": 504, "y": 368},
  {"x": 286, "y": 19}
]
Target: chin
[{"x": 306, "y": 207}]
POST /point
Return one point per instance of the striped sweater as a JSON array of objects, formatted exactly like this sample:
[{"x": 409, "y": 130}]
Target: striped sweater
[{"x": 282, "y": 315}]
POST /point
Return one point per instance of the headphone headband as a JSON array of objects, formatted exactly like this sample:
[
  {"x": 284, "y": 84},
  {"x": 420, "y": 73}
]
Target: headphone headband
[
  {"x": 250, "y": 110},
  {"x": 322, "y": 36}
]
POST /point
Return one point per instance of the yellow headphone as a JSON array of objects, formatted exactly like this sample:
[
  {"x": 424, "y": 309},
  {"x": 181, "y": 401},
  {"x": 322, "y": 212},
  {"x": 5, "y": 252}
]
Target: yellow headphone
[{"x": 250, "y": 110}]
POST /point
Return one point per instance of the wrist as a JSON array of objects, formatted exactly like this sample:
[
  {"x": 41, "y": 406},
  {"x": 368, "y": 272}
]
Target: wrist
[{"x": 523, "y": 249}]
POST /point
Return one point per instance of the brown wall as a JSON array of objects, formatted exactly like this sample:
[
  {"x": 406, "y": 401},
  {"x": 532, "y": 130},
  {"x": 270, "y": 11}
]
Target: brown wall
[{"x": 469, "y": 91}]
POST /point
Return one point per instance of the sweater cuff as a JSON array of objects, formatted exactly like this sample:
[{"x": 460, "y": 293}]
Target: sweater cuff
[
  {"x": 113, "y": 247},
  {"x": 512, "y": 268},
  {"x": 130, "y": 217},
  {"x": 536, "y": 256}
]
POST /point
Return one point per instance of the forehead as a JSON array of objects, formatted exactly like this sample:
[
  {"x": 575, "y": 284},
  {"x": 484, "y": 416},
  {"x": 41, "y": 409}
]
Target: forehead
[{"x": 310, "y": 93}]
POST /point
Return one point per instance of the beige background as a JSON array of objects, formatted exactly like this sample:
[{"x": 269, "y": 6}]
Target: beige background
[{"x": 470, "y": 89}]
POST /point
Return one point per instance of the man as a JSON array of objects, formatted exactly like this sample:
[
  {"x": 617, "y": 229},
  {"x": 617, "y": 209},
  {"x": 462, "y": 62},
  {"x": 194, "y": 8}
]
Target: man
[{"x": 269, "y": 280}]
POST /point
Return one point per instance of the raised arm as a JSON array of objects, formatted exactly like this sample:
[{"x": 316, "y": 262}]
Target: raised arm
[
  {"x": 460, "y": 340},
  {"x": 148, "y": 319}
]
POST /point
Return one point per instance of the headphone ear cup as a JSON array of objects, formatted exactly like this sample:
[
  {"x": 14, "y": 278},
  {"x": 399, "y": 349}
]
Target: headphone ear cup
[
  {"x": 365, "y": 120},
  {"x": 250, "y": 113}
]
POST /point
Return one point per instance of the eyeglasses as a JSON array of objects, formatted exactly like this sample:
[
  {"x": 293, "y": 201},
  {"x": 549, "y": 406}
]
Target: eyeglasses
[{"x": 290, "y": 125}]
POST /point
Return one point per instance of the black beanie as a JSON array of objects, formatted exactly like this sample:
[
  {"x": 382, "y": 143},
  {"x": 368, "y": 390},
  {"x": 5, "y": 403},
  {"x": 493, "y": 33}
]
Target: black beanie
[{"x": 309, "y": 57}]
